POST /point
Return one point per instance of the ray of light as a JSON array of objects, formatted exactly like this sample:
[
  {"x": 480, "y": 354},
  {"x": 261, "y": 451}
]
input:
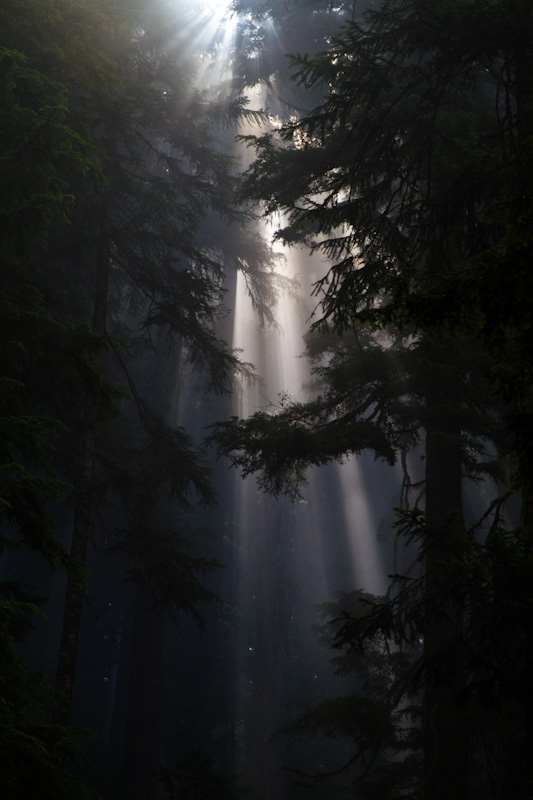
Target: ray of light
[
  {"x": 361, "y": 529},
  {"x": 204, "y": 34}
]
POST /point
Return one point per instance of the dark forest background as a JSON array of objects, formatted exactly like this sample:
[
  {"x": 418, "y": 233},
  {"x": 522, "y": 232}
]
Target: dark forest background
[{"x": 393, "y": 141}]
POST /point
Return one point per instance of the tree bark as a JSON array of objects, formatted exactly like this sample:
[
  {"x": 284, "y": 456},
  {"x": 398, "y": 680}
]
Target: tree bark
[{"x": 445, "y": 738}]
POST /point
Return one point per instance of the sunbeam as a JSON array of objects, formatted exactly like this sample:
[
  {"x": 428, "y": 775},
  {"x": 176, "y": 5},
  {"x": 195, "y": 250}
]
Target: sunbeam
[{"x": 203, "y": 31}]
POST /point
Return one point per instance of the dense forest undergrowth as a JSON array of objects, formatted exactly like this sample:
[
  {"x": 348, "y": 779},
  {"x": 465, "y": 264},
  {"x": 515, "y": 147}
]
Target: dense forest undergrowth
[{"x": 394, "y": 143}]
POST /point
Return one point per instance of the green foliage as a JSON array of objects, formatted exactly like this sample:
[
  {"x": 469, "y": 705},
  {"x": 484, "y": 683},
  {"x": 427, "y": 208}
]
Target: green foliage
[
  {"x": 378, "y": 639},
  {"x": 410, "y": 177},
  {"x": 388, "y": 174},
  {"x": 29, "y": 480},
  {"x": 370, "y": 395},
  {"x": 109, "y": 171},
  {"x": 267, "y": 31},
  {"x": 379, "y": 723},
  {"x": 39, "y": 149},
  {"x": 489, "y": 579},
  {"x": 360, "y": 719},
  {"x": 42, "y": 154},
  {"x": 281, "y": 446}
]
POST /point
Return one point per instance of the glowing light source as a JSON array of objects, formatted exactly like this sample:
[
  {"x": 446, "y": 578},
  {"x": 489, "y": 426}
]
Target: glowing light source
[
  {"x": 217, "y": 8},
  {"x": 209, "y": 29}
]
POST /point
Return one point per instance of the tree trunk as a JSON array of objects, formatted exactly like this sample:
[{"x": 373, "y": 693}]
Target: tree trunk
[
  {"x": 445, "y": 738},
  {"x": 522, "y": 763},
  {"x": 142, "y": 758},
  {"x": 75, "y": 591},
  {"x": 83, "y": 510},
  {"x": 523, "y": 406}
]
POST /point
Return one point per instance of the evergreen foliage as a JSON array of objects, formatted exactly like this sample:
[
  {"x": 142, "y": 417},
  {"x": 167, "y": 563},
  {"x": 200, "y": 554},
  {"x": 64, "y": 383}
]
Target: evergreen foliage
[
  {"x": 109, "y": 173},
  {"x": 31, "y": 747},
  {"x": 403, "y": 156},
  {"x": 403, "y": 176}
]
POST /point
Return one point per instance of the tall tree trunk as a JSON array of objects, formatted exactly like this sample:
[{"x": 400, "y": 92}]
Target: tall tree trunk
[
  {"x": 75, "y": 591},
  {"x": 445, "y": 738},
  {"x": 523, "y": 59},
  {"x": 520, "y": 760},
  {"x": 522, "y": 412},
  {"x": 83, "y": 509},
  {"x": 142, "y": 745},
  {"x": 142, "y": 758},
  {"x": 274, "y": 605}
]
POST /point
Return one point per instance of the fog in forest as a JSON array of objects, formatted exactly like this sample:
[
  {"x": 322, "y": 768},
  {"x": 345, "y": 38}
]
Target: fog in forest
[{"x": 265, "y": 476}]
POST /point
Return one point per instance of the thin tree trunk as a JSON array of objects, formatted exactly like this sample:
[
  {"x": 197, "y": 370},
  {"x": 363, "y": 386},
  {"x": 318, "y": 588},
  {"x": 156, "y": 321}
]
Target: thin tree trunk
[
  {"x": 524, "y": 109},
  {"x": 524, "y": 100},
  {"x": 523, "y": 763},
  {"x": 75, "y": 591},
  {"x": 83, "y": 510}
]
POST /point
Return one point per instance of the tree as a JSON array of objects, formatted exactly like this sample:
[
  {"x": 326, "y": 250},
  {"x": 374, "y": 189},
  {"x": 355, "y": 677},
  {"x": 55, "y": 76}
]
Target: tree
[
  {"x": 30, "y": 745},
  {"x": 41, "y": 151},
  {"x": 388, "y": 177},
  {"x": 379, "y": 719},
  {"x": 113, "y": 169},
  {"x": 133, "y": 235}
]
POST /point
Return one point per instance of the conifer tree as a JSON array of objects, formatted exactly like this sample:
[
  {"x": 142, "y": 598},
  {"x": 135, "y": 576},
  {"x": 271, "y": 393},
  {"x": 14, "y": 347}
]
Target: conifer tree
[
  {"x": 110, "y": 154},
  {"x": 42, "y": 357},
  {"x": 389, "y": 177}
]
